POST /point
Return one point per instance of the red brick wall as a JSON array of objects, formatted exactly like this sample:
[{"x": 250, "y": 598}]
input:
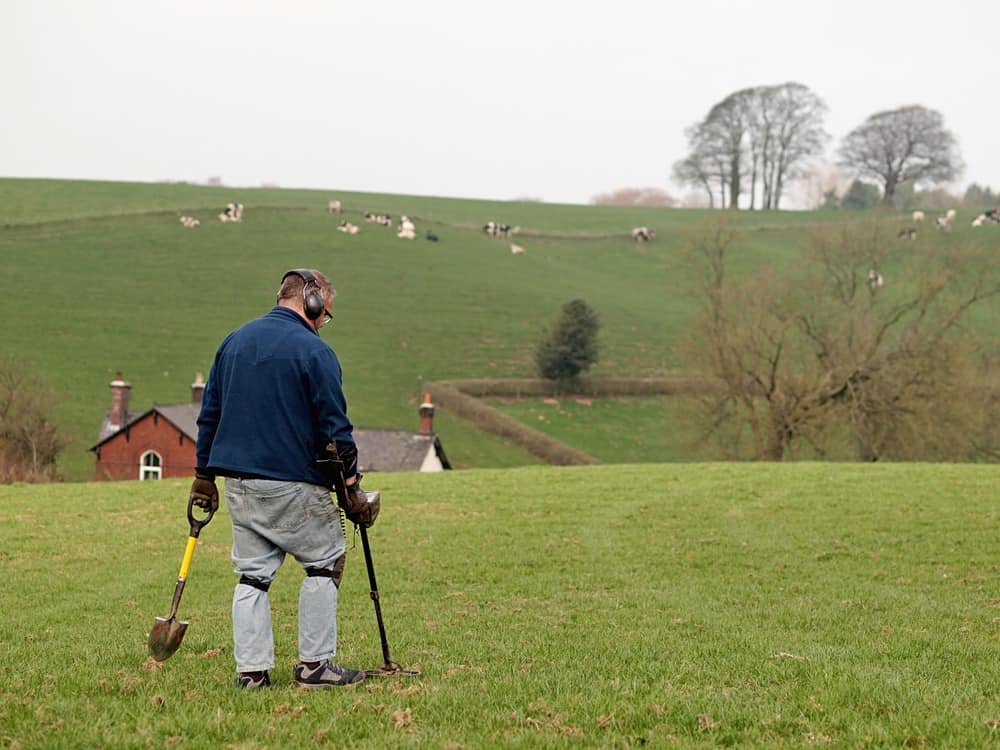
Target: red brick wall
[{"x": 119, "y": 457}]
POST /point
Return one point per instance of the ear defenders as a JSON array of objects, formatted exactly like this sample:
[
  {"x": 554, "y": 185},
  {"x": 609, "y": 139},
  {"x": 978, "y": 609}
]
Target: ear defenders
[{"x": 312, "y": 302}]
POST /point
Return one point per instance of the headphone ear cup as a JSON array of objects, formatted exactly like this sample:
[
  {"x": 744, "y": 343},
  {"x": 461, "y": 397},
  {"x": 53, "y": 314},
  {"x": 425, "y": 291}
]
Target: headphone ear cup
[{"x": 313, "y": 305}]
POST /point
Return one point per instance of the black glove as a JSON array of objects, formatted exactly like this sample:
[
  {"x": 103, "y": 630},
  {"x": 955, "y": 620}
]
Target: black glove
[
  {"x": 204, "y": 493},
  {"x": 362, "y": 507}
]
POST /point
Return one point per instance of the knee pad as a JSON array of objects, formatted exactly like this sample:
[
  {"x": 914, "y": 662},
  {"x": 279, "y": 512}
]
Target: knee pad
[
  {"x": 256, "y": 583},
  {"x": 335, "y": 573}
]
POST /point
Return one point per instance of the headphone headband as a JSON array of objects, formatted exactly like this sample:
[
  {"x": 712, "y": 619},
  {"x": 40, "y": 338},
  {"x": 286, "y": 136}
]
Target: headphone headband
[{"x": 303, "y": 273}]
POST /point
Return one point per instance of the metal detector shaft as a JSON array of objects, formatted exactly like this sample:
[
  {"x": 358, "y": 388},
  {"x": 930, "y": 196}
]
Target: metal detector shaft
[{"x": 374, "y": 594}]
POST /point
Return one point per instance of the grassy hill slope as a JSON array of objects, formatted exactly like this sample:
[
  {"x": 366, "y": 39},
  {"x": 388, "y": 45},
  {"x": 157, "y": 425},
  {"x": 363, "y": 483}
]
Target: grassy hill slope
[{"x": 101, "y": 277}]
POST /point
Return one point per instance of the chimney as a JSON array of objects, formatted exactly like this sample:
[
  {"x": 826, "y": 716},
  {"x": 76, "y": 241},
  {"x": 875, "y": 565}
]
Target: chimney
[
  {"x": 197, "y": 388},
  {"x": 427, "y": 415},
  {"x": 118, "y": 413}
]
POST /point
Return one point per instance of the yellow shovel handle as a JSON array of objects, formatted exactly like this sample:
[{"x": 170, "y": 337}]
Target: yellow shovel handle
[{"x": 186, "y": 562}]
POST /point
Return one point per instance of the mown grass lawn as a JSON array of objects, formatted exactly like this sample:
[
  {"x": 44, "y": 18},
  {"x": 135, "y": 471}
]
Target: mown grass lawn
[{"x": 672, "y": 605}]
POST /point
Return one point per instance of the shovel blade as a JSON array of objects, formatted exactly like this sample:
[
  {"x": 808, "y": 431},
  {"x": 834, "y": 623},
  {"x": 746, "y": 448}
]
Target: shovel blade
[{"x": 166, "y": 637}]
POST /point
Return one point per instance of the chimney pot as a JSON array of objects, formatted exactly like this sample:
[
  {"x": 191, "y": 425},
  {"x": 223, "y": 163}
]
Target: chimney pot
[
  {"x": 197, "y": 388},
  {"x": 120, "y": 392},
  {"x": 427, "y": 415}
]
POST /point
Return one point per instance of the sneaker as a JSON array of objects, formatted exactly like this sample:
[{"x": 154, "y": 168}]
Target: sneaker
[
  {"x": 325, "y": 675},
  {"x": 253, "y": 680}
]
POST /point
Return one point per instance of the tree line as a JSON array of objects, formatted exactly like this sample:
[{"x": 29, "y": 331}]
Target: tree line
[{"x": 756, "y": 141}]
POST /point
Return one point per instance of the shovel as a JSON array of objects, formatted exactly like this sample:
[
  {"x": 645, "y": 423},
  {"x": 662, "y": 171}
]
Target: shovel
[{"x": 168, "y": 632}]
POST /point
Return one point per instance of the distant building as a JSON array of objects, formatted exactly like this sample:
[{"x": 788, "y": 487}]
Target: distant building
[{"x": 160, "y": 443}]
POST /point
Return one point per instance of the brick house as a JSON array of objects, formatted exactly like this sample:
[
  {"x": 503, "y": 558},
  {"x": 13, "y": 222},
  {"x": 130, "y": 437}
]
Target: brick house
[
  {"x": 160, "y": 443},
  {"x": 155, "y": 444}
]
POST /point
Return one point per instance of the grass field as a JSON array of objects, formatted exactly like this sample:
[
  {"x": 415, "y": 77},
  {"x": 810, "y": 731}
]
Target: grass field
[
  {"x": 100, "y": 278},
  {"x": 685, "y": 605}
]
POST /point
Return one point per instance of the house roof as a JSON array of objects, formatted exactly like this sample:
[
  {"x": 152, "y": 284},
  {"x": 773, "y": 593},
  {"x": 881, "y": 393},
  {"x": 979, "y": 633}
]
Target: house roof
[
  {"x": 378, "y": 450},
  {"x": 107, "y": 429},
  {"x": 396, "y": 450},
  {"x": 182, "y": 416}
]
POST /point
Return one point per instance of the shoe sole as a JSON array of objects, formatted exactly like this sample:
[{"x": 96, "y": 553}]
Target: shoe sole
[{"x": 325, "y": 685}]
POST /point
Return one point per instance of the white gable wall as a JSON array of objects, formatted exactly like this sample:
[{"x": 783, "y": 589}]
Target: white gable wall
[{"x": 431, "y": 461}]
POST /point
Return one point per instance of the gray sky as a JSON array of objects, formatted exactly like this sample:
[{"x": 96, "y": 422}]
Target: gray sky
[{"x": 559, "y": 100}]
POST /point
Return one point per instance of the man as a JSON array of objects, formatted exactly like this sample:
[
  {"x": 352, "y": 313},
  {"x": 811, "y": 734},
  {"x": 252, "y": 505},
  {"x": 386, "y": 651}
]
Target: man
[{"x": 273, "y": 403}]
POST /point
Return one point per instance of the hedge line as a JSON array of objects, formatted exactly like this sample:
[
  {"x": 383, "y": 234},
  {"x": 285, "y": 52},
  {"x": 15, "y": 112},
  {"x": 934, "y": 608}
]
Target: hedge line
[
  {"x": 447, "y": 396},
  {"x": 462, "y": 397},
  {"x": 678, "y": 385}
]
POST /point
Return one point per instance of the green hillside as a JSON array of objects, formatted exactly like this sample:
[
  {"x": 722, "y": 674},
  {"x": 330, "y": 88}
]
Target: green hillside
[{"x": 101, "y": 277}]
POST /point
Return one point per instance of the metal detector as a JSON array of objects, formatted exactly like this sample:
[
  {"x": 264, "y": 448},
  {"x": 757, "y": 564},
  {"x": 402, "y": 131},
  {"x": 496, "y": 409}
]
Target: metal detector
[
  {"x": 389, "y": 668},
  {"x": 333, "y": 468}
]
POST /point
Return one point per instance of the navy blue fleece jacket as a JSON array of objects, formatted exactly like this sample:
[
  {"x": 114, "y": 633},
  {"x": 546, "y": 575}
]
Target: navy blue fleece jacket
[{"x": 273, "y": 400}]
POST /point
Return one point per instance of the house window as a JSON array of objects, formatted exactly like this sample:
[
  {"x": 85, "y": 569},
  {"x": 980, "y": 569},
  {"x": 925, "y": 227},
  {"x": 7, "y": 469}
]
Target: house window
[{"x": 150, "y": 466}]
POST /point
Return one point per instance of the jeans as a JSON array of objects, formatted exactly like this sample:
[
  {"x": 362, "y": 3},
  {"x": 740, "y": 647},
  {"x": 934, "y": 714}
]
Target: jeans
[{"x": 272, "y": 518}]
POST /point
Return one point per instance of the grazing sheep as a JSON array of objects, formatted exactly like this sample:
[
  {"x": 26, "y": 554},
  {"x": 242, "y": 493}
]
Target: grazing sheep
[
  {"x": 333, "y": 207},
  {"x": 496, "y": 229},
  {"x": 943, "y": 222},
  {"x": 406, "y": 234},
  {"x": 875, "y": 280},
  {"x": 347, "y": 227},
  {"x": 918, "y": 216},
  {"x": 643, "y": 234},
  {"x": 979, "y": 220},
  {"x": 517, "y": 250},
  {"x": 910, "y": 233},
  {"x": 950, "y": 214},
  {"x": 232, "y": 212},
  {"x": 405, "y": 225}
]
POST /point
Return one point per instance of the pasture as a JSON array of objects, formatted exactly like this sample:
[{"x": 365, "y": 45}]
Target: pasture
[
  {"x": 101, "y": 278},
  {"x": 672, "y": 605}
]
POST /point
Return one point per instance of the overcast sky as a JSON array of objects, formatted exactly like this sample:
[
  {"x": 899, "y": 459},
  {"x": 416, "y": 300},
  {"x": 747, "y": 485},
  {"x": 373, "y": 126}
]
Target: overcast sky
[{"x": 552, "y": 99}]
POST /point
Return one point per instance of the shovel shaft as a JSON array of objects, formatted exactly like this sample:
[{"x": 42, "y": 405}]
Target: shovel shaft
[{"x": 188, "y": 555}]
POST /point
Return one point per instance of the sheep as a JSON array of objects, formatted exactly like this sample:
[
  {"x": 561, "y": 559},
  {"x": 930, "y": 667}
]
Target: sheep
[
  {"x": 190, "y": 222},
  {"x": 347, "y": 227},
  {"x": 943, "y": 222},
  {"x": 918, "y": 216},
  {"x": 333, "y": 207},
  {"x": 516, "y": 250},
  {"x": 989, "y": 217},
  {"x": 406, "y": 234},
  {"x": 496, "y": 229},
  {"x": 643, "y": 234},
  {"x": 405, "y": 225},
  {"x": 232, "y": 212},
  {"x": 875, "y": 280},
  {"x": 950, "y": 214},
  {"x": 909, "y": 233}
]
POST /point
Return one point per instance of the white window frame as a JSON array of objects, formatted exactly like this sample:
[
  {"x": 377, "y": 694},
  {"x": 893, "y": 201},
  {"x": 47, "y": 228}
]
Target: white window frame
[{"x": 153, "y": 472}]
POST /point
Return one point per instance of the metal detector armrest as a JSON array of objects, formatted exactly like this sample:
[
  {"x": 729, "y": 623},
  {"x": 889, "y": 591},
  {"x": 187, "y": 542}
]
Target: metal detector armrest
[{"x": 332, "y": 470}]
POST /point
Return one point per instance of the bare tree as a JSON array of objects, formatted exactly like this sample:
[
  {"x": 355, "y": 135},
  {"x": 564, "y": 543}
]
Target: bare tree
[
  {"x": 696, "y": 170},
  {"x": 754, "y": 139},
  {"x": 905, "y": 144},
  {"x": 29, "y": 441},
  {"x": 788, "y": 125},
  {"x": 836, "y": 350}
]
